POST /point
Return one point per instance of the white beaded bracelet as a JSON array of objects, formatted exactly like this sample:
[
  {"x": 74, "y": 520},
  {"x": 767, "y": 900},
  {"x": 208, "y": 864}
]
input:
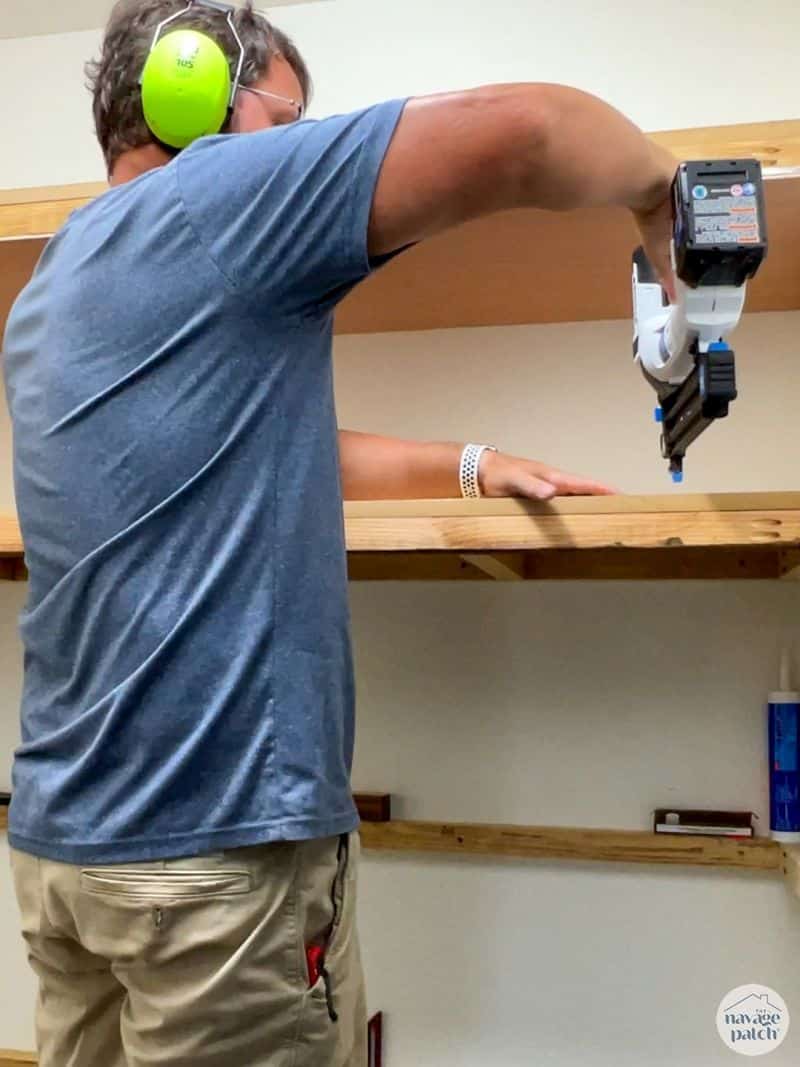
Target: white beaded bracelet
[{"x": 469, "y": 468}]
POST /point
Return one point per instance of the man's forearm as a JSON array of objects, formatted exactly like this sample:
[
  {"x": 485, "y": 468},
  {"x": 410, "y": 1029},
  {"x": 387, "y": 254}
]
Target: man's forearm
[{"x": 388, "y": 468}]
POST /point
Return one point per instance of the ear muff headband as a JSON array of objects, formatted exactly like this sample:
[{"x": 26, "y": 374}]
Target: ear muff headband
[{"x": 187, "y": 90}]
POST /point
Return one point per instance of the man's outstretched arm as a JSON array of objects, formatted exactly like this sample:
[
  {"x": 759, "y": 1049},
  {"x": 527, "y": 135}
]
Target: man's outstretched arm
[
  {"x": 458, "y": 156},
  {"x": 388, "y": 468}
]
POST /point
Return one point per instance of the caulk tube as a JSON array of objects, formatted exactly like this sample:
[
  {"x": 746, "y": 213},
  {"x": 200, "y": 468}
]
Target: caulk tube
[{"x": 784, "y": 757}]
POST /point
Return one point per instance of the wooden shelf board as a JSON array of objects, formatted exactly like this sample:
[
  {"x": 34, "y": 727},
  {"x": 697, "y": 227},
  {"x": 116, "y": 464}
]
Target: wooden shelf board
[
  {"x": 775, "y": 144},
  {"x": 10, "y": 537},
  {"x": 575, "y": 505},
  {"x": 750, "y": 535},
  {"x": 568, "y": 843},
  {"x": 517, "y": 268},
  {"x": 728, "y": 520},
  {"x": 527, "y": 267},
  {"x": 571, "y": 843}
]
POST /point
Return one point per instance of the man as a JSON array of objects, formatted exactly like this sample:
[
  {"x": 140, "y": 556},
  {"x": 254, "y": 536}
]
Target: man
[{"x": 183, "y": 829}]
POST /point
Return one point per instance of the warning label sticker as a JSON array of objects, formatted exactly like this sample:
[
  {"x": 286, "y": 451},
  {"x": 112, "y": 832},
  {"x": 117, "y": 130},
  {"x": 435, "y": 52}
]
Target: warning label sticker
[
  {"x": 723, "y": 218},
  {"x": 720, "y": 204},
  {"x": 726, "y": 237}
]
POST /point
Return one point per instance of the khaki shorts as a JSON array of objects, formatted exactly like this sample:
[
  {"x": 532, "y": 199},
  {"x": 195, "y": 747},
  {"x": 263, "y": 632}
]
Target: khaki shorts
[{"x": 198, "y": 962}]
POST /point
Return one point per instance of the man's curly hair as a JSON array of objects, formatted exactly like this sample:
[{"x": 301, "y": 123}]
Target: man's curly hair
[{"x": 113, "y": 78}]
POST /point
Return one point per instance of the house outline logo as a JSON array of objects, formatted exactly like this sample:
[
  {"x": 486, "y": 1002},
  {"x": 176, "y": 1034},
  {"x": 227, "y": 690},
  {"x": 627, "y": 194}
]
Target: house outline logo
[{"x": 753, "y": 1020}]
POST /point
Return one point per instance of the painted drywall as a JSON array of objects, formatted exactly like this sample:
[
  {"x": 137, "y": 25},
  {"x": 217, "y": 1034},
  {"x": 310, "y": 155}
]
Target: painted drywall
[
  {"x": 54, "y": 16},
  {"x": 667, "y": 65}
]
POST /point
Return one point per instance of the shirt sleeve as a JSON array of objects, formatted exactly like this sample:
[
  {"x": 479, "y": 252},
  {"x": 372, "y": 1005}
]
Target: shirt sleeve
[{"x": 284, "y": 212}]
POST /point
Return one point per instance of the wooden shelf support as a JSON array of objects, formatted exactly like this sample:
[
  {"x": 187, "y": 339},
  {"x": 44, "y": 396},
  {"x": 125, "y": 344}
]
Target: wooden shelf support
[
  {"x": 501, "y": 567},
  {"x": 374, "y": 807}
]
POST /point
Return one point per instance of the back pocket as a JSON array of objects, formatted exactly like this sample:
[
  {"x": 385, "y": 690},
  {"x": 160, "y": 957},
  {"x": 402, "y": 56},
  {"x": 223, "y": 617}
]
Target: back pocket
[{"x": 135, "y": 884}]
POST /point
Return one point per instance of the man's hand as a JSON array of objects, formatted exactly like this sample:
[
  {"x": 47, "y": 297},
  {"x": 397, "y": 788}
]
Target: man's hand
[
  {"x": 388, "y": 468},
  {"x": 504, "y": 475}
]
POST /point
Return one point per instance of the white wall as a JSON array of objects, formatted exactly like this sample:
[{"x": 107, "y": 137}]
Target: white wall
[
  {"x": 573, "y": 703},
  {"x": 667, "y": 65}
]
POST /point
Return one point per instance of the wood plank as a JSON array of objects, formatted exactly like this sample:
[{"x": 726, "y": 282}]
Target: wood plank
[
  {"x": 36, "y": 218},
  {"x": 12, "y": 1058},
  {"x": 17, "y": 261},
  {"x": 567, "y": 843},
  {"x": 575, "y": 505},
  {"x": 3, "y": 816},
  {"x": 37, "y": 194},
  {"x": 11, "y": 542},
  {"x": 10, "y": 536},
  {"x": 481, "y": 274},
  {"x": 728, "y": 536},
  {"x": 488, "y": 533},
  {"x": 774, "y": 144},
  {"x": 530, "y": 266},
  {"x": 499, "y": 566}
]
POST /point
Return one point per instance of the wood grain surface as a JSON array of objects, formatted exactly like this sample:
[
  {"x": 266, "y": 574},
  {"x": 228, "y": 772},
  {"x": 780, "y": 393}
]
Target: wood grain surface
[
  {"x": 541, "y": 532},
  {"x": 747, "y": 535},
  {"x": 514, "y": 268},
  {"x": 568, "y": 843}
]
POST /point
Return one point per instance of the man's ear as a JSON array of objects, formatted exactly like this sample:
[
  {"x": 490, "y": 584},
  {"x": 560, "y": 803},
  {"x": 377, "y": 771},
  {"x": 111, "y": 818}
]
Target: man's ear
[{"x": 248, "y": 114}]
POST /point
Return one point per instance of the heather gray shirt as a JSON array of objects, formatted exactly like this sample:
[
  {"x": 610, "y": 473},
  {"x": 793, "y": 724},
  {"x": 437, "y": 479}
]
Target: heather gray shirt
[{"x": 188, "y": 680}]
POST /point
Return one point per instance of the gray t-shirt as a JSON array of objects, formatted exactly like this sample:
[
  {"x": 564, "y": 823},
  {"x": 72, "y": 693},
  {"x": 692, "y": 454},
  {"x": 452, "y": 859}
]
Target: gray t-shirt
[{"x": 188, "y": 677}]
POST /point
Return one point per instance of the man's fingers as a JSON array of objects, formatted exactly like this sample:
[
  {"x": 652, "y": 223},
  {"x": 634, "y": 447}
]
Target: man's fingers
[
  {"x": 514, "y": 476},
  {"x": 534, "y": 488},
  {"x": 574, "y": 485}
]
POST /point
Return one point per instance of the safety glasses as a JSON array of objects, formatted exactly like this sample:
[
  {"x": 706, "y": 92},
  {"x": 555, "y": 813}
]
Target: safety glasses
[{"x": 274, "y": 96}]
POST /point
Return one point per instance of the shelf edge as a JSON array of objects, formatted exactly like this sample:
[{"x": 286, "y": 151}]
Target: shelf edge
[{"x": 570, "y": 843}]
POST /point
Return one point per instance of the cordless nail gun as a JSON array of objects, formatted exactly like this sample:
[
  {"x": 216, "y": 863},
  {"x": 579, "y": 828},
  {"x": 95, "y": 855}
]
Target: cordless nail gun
[{"x": 719, "y": 241}]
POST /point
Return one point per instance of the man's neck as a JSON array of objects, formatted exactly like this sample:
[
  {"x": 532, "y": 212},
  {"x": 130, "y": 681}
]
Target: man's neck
[{"x": 137, "y": 161}]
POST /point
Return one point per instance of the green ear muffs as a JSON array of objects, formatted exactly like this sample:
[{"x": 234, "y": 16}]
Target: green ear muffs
[{"x": 186, "y": 88}]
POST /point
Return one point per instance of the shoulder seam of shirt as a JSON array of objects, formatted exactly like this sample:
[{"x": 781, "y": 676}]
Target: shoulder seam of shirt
[{"x": 229, "y": 282}]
